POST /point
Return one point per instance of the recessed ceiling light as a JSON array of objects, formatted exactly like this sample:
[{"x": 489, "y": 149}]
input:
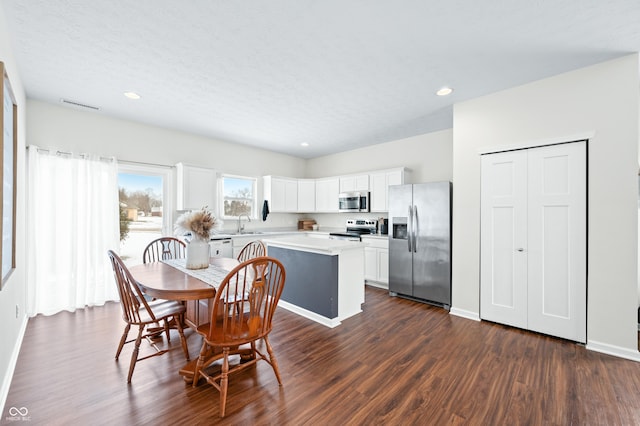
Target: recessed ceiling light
[
  {"x": 444, "y": 91},
  {"x": 304, "y": 144},
  {"x": 132, "y": 95}
]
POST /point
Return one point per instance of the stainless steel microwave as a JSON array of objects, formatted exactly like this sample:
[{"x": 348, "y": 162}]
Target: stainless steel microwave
[{"x": 354, "y": 201}]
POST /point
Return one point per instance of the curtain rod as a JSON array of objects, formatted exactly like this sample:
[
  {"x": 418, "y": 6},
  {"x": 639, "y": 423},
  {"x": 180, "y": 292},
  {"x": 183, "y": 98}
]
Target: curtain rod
[
  {"x": 59, "y": 152},
  {"x": 70, "y": 154},
  {"x": 144, "y": 164}
]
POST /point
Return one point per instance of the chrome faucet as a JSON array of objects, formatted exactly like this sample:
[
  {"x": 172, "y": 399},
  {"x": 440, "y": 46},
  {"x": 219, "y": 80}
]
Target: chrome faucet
[{"x": 240, "y": 225}]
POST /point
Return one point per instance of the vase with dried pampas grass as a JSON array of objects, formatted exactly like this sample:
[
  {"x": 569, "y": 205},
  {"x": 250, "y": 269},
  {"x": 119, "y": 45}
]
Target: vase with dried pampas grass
[{"x": 199, "y": 224}]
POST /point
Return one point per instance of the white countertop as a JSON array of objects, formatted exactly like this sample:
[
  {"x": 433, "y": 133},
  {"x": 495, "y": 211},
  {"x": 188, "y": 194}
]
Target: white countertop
[
  {"x": 375, "y": 236},
  {"x": 316, "y": 245},
  {"x": 267, "y": 233}
]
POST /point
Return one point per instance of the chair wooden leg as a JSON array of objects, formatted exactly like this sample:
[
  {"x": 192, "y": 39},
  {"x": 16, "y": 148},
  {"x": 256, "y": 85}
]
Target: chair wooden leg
[
  {"x": 247, "y": 357},
  {"x": 199, "y": 364},
  {"x": 166, "y": 330},
  {"x": 183, "y": 339},
  {"x": 272, "y": 360},
  {"x": 123, "y": 340},
  {"x": 134, "y": 355},
  {"x": 224, "y": 381}
]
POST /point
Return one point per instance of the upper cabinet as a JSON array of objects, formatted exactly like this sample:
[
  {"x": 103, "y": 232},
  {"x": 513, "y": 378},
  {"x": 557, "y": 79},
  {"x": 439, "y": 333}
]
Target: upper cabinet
[
  {"x": 196, "y": 187},
  {"x": 380, "y": 183},
  {"x": 281, "y": 193},
  {"x": 291, "y": 195},
  {"x": 327, "y": 191},
  {"x": 354, "y": 183},
  {"x": 306, "y": 195}
]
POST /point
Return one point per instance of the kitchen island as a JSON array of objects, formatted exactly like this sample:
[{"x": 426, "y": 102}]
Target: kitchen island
[{"x": 325, "y": 278}]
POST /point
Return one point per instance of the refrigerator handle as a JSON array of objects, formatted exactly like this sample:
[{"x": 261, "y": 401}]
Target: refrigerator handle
[
  {"x": 410, "y": 224},
  {"x": 415, "y": 229}
]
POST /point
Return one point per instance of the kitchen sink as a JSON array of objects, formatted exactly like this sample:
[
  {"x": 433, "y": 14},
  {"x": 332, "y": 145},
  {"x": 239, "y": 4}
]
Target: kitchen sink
[{"x": 246, "y": 233}]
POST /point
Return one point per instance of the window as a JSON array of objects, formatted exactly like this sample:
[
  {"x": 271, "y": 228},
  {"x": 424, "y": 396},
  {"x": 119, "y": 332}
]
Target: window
[
  {"x": 239, "y": 196},
  {"x": 144, "y": 213}
]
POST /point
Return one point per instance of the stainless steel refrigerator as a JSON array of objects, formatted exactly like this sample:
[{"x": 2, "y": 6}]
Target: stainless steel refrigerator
[{"x": 420, "y": 241}]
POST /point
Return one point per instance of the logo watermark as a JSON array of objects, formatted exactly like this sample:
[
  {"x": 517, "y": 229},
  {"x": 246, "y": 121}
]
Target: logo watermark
[{"x": 18, "y": 415}]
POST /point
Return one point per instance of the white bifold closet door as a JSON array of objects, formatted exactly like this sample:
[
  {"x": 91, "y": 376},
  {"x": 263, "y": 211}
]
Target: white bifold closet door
[{"x": 533, "y": 239}]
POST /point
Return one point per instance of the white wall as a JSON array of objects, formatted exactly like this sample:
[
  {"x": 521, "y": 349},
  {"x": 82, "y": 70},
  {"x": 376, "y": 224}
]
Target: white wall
[
  {"x": 13, "y": 293},
  {"x": 61, "y": 127},
  {"x": 428, "y": 156},
  {"x": 602, "y": 99},
  {"x": 68, "y": 129}
]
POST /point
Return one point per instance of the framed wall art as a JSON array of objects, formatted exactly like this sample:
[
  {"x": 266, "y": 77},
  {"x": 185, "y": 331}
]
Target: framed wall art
[{"x": 8, "y": 137}]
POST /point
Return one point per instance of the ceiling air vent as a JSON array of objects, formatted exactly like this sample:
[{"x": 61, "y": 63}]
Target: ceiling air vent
[{"x": 79, "y": 104}]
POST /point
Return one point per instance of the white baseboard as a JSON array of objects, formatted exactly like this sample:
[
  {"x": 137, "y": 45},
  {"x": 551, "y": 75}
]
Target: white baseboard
[
  {"x": 464, "y": 314},
  {"x": 331, "y": 323},
  {"x": 8, "y": 375},
  {"x": 377, "y": 284},
  {"x": 618, "y": 351}
]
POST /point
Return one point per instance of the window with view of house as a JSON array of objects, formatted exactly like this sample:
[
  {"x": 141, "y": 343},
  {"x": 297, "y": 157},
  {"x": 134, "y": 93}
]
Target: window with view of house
[
  {"x": 144, "y": 214},
  {"x": 239, "y": 196}
]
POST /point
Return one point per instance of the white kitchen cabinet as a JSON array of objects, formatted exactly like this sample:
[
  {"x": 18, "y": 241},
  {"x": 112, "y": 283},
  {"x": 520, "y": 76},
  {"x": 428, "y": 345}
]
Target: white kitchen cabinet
[
  {"x": 238, "y": 243},
  {"x": 370, "y": 263},
  {"x": 306, "y": 195},
  {"x": 281, "y": 193},
  {"x": 327, "y": 191},
  {"x": 380, "y": 182},
  {"x": 196, "y": 187},
  {"x": 354, "y": 183},
  {"x": 376, "y": 261}
]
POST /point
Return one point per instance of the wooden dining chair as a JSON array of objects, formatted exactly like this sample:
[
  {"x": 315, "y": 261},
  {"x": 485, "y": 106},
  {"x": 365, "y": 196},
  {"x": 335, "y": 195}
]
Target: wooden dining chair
[
  {"x": 252, "y": 249},
  {"x": 164, "y": 248},
  {"x": 236, "y": 322},
  {"x": 136, "y": 310}
]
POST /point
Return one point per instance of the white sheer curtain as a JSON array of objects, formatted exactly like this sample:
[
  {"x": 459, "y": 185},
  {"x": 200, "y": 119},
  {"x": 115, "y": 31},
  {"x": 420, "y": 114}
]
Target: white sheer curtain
[{"x": 73, "y": 220}]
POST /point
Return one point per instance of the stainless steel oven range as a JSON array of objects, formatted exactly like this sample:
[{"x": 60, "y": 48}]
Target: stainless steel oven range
[{"x": 355, "y": 228}]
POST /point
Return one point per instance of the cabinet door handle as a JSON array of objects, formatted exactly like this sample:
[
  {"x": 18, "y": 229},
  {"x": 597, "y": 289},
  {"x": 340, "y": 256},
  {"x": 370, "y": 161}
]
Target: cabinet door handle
[{"x": 520, "y": 249}]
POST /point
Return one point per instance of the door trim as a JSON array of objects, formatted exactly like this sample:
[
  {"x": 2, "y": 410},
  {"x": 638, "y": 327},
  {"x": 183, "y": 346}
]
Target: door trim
[
  {"x": 536, "y": 143},
  {"x": 520, "y": 147}
]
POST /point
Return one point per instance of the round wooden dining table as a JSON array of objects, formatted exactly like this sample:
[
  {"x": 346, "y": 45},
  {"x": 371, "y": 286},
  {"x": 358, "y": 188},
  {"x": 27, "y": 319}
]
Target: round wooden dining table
[
  {"x": 157, "y": 279},
  {"x": 163, "y": 281}
]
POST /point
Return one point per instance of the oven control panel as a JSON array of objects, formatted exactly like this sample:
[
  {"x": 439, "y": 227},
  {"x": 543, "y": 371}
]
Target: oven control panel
[
  {"x": 364, "y": 223},
  {"x": 363, "y": 226}
]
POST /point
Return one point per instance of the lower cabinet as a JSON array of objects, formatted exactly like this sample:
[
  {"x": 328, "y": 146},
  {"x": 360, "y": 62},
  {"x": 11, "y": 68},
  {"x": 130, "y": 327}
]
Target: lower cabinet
[
  {"x": 376, "y": 262},
  {"x": 240, "y": 242}
]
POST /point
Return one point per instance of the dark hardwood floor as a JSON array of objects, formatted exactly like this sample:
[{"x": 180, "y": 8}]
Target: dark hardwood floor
[{"x": 399, "y": 362}]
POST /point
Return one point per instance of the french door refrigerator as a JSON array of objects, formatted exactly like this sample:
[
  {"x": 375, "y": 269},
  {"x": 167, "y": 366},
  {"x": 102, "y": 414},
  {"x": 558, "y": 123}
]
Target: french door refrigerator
[{"x": 420, "y": 242}]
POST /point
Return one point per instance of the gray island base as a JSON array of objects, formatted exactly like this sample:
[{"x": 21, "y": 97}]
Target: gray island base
[{"x": 325, "y": 278}]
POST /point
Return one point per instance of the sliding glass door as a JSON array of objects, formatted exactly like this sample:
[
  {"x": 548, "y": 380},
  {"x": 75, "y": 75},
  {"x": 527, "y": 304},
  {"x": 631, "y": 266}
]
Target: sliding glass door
[{"x": 146, "y": 208}]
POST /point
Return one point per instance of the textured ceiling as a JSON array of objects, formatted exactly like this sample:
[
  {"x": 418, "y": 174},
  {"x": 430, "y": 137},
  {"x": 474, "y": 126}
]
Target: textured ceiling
[{"x": 337, "y": 74}]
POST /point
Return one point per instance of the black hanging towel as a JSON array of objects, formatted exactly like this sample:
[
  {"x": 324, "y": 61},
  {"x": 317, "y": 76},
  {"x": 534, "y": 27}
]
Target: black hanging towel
[{"x": 265, "y": 210}]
